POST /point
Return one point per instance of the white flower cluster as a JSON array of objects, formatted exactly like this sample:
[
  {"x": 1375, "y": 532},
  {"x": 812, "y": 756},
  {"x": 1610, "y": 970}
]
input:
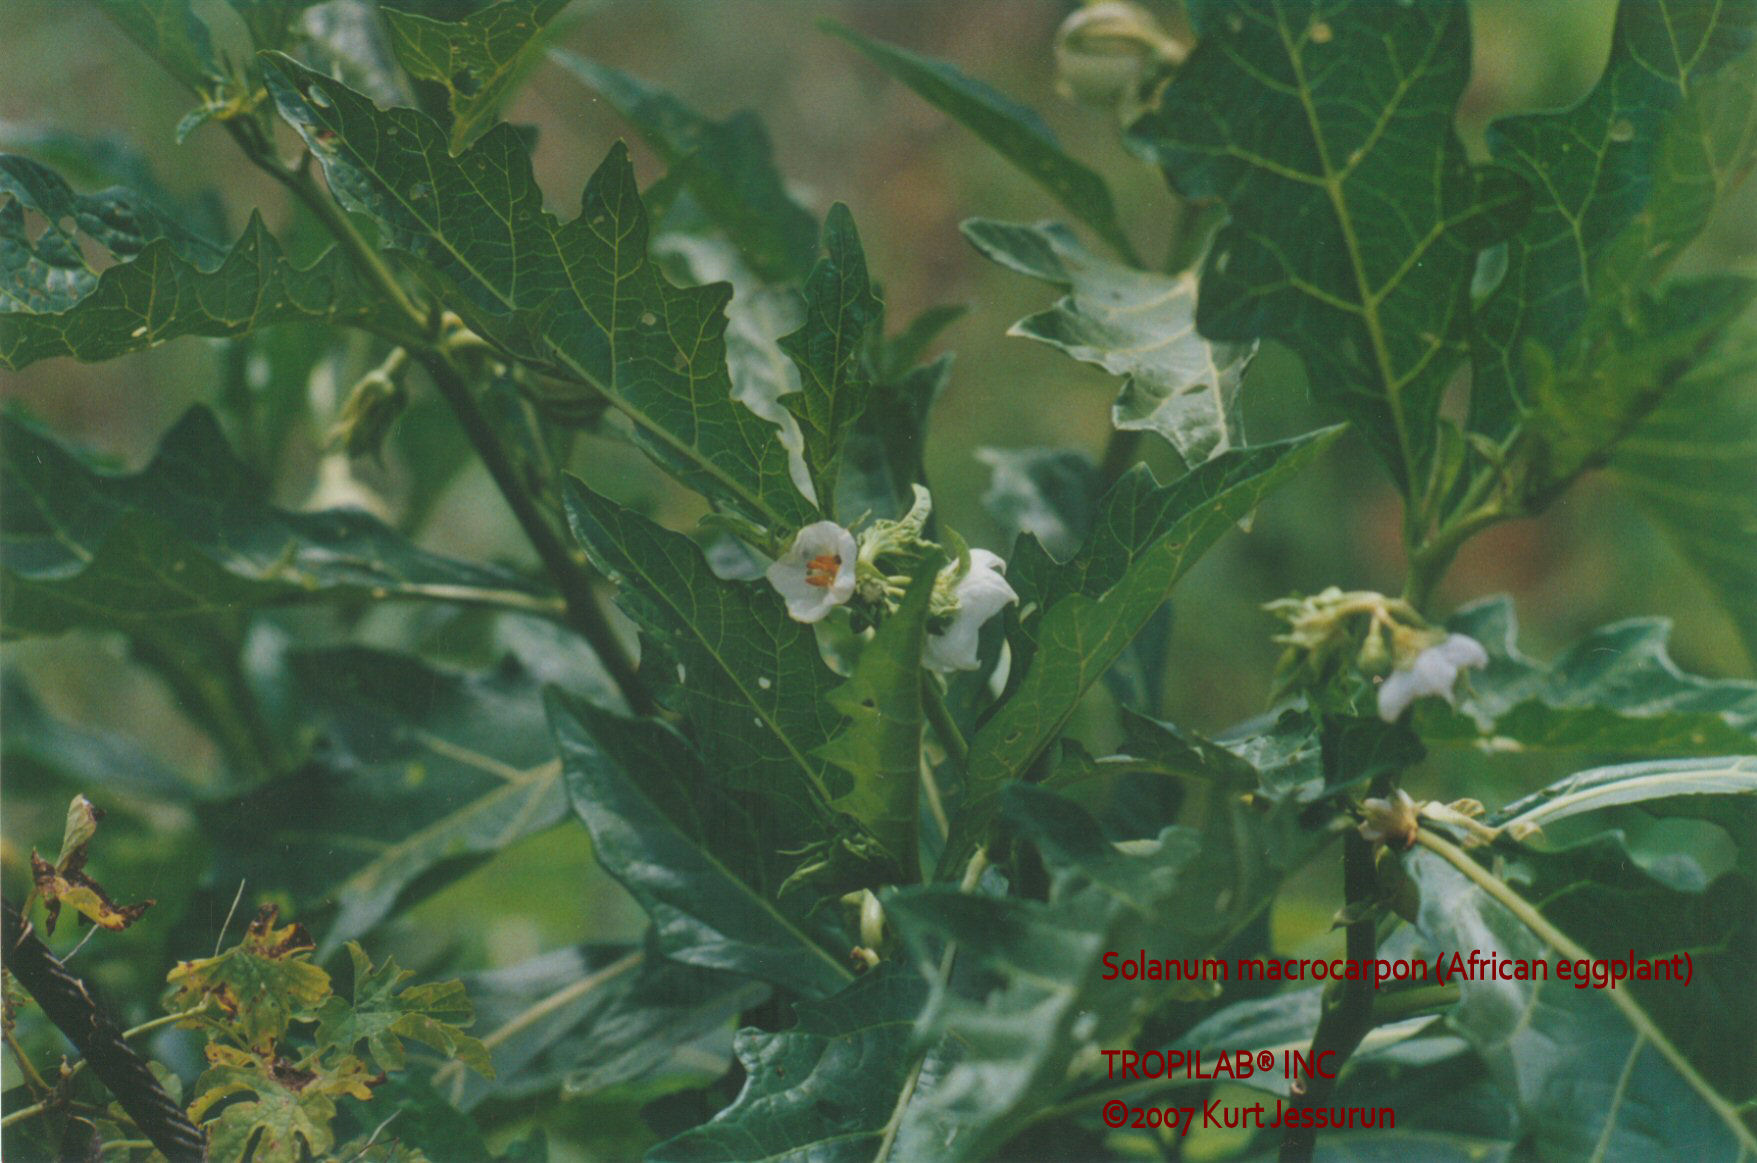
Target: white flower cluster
[
  {"x": 822, "y": 569},
  {"x": 1432, "y": 672}
]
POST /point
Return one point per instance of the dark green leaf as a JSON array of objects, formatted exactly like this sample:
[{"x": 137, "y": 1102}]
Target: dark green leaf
[
  {"x": 192, "y": 535},
  {"x": 479, "y": 60},
  {"x": 1620, "y": 183},
  {"x": 1135, "y": 324},
  {"x": 172, "y": 33},
  {"x": 1012, "y": 130},
  {"x": 880, "y": 746},
  {"x": 702, "y": 912},
  {"x": 1050, "y": 493},
  {"x": 1028, "y": 1026},
  {"x": 582, "y": 299},
  {"x": 418, "y": 773},
  {"x": 750, "y": 678},
  {"x": 883, "y": 456},
  {"x": 839, "y": 307},
  {"x": 1693, "y": 465},
  {"x": 1355, "y": 217},
  {"x": 1616, "y": 690},
  {"x": 824, "y": 1090},
  {"x": 728, "y": 165},
  {"x": 1076, "y": 618}
]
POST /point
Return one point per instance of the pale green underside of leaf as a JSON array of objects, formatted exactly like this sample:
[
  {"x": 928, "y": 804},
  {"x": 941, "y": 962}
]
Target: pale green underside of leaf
[
  {"x": 1014, "y": 131},
  {"x": 581, "y": 298},
  {"x": 479, "y": 60},
  {"x": 191, "y": 535},
  {"x": 749, "y": 677},
  {"x": 1633, "y": 783},
  {"x": 728, "y": 165},
  {"x": 1620, "y": 183},
  {"x": 1693, "y": 465},
  {"x": 1615, "y": 691},
  {"x": 1134, "y": 324},
  {"x": 1588, "y": 1080},
  {"x": 1077, "y": 617},
  {"x": 1354, "y": 215},
  {"x": 702, "y": 912},
  {"x": 420, "y": 773}
]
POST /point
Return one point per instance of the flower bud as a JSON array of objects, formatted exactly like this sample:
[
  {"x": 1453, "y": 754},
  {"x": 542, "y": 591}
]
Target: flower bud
[{"x": 1104, "y": 51}]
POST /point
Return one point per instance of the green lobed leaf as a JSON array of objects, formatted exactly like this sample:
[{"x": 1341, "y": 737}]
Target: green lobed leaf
[
  {"x": 260, "y": 985},
  {"x": 1589, "y": 1078},
  {"x": 822, "y": 1090},
  {"x": 883, "y": 456},
  {"x": 1076, "y": 618},
  {"x": 417, "y": 774},
  {"x": 580, "y": 299},
  {"x": 880, "y": 746},
  {"x": 383, "y": 1012},
  {"x": 728, "y": 165},
  {"x": 191, "y": 534},
  {"x": 1012, "y": 130},
  {"x": 833, "y": 390},
  {"x": 1616, "y": 690},
  {"x": 1135, "y": 324},
  {"x": 749, "y": 677},
  {"x": 1355, "y": 216},
  {"x": 703, "y": 913},
  {"x": 1693, "y": 466},
  {"x": 1029, "y": 1008},
  {"x": 479, "y": 60},
  {"x": 1620, "y": 182}
]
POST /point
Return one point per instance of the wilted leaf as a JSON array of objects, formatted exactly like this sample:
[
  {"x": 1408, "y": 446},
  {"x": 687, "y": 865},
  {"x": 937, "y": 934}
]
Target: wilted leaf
[
  {"x": 260, "y": 985},
  {"x": 1135, "y": 324},
  {"x": 192, "y": 534},
  {"x": 65, "y": 882},
  {"x": 291, "y": 1108},
  {"x": 479, "y": 60},
  {"x": 1011, "y": 129},
  {"x": 1355, "y": 216},
  {"x": 382, "y": 1015},
  {"x": 1616, "y": 690},
  {"x": 580, "y": 298},
  {"x": 728, "y": 166}
]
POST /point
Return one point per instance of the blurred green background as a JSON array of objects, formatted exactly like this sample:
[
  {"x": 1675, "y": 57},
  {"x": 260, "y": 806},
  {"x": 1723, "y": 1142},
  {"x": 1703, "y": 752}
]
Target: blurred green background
[{"x": 842, "y": 131}]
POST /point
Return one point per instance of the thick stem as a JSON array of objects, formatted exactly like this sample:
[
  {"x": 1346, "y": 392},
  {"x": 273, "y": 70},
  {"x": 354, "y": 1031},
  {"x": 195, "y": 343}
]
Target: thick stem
[
  {"x": 568, "y": 573},
  {"x": 72, "y": 1005},
  {"x": 1348, "y": 1012}
]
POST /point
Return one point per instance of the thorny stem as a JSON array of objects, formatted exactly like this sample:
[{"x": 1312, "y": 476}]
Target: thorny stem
[
  {"x": 1645, "y": 1029},
  {"x": 1348, "y": 1011},
  {"x": 133, "y": 1032},
  {"x": 568, "y": 573}
]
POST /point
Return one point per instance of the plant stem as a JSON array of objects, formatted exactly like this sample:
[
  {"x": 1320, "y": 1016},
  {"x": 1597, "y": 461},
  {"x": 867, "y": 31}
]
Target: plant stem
[
  {"x": 1429, "y": 562},
  {"x": 1527, "y": 915},
  {"x": 1348, "y": 1012},
  {"x": 566, "y": 571},
  {"x": 944, "y": 726}
]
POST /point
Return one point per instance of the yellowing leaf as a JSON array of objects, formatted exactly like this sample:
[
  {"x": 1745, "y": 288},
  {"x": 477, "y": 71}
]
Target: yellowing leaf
[
  {"x": 382, "y": 1016},
  {"x": 65, "y": 881},
  {"x": 263, "y": 983}
]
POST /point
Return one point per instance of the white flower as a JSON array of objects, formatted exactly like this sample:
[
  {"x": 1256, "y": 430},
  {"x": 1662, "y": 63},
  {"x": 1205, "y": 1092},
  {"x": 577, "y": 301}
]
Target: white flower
[
  {"x": 981, "y": 593},
  {"x": 817, "y": 574},
  {"x": 1433, "y": 672}
]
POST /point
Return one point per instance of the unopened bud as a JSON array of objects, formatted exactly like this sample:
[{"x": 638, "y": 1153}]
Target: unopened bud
[{"x": 1104, "y": 51}]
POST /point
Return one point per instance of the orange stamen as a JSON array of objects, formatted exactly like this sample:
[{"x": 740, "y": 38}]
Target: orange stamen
[{"x": 821, "y": 571}]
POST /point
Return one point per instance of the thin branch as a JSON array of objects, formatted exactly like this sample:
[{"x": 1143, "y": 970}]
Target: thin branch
[
  {"x": 70, "y": 1003},
  {"x": 944, "y": 727}
]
